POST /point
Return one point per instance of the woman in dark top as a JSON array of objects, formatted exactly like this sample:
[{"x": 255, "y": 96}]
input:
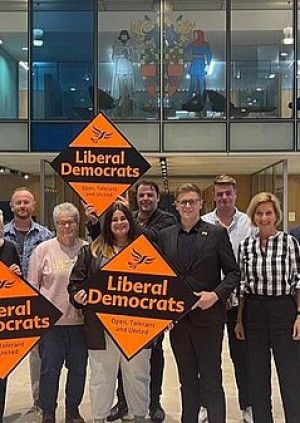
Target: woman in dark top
[{"x": 8, "y": 256}]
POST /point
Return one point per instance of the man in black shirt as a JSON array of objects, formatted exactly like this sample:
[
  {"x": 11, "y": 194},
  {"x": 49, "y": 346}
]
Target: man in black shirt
[
  {"x": 199, "y": 252},
  {"x": 151, "y": 220}
]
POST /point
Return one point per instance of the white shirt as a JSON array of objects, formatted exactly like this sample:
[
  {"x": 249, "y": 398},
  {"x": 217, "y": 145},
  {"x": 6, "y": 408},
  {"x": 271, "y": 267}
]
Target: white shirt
[{"x": 238, "y": 230}]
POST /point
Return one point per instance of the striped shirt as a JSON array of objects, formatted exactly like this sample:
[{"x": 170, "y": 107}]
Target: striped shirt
[{"x": 273, "y": 271}]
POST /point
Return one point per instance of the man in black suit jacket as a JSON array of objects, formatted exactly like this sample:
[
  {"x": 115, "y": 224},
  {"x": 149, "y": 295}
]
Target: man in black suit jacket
[{"x": 199, "y": 252}]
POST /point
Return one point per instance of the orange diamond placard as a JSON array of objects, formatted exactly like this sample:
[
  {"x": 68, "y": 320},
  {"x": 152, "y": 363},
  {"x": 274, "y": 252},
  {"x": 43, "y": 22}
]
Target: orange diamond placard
[
  {"x": 100, "y": 164},
  {"x": 136, "y": 295},
  {"x": 25, "y": 316}
]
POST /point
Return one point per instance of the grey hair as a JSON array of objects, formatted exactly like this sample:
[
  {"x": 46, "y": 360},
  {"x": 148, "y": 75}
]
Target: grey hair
[{"x": 65, "y": 207}]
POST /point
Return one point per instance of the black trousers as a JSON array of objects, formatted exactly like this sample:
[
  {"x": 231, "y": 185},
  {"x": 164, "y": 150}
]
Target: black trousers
[
  {"x": 238, "y": 355},
  {"x": 197, "y": 351},
  {"x": 269, "y": 326},
  {"x": 2, "y": 397},
  {"x": 157, "y": 363}
]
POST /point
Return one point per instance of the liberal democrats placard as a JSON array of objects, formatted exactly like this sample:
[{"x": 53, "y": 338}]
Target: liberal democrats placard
[
  {"x": 25, "y": 316},
  {"x": 136, "y": 295},
  {"x": 100, "y": 164}
]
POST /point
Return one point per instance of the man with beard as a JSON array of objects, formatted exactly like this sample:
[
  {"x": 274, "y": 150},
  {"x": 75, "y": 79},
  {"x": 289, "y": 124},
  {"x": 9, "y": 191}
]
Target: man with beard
[
  {"x": 151, "y": 220},
  {"x": 26, "y": 234}
]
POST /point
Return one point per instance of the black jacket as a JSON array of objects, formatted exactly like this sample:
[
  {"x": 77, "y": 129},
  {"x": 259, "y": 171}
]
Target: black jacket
[
  {"x": 212, "y": 254},
  {"x": 158, "y": 220},
  {"x": 85, "y": 266}
]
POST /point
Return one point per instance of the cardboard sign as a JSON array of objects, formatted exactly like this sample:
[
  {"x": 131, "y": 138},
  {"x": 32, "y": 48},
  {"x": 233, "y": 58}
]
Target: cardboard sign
[
  {"x": 100, "y": 164},
  {"x": 25, "y": 316},
  {"x": 136, "y": 295}
]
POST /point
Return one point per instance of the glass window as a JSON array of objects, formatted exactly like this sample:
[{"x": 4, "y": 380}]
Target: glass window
[
  {"x": 262, "y": 59},
  {"x": 298, "y": 68},
  {"x": 13, "y": 60},
  {"x": 144, "y": 136},
  {"x": 53, "y": 137},
  {"x": 260, "y": 136},
  {"x": 129, "y": 64},
  {"x": 194, "y": 136},
  {"x": 13, "y": 136},
  {"x": 194, "y": 59},
  {"x": 62, "y": 60}
]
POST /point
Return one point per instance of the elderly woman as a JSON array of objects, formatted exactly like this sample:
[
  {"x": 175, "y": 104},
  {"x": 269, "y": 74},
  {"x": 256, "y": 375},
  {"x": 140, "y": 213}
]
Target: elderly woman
[
  {"x": 49, "y": 270},
  {"x": 270, "y": 299},
  {"x": 104, "y": 356},
  {"x": 8, "y": 256}
]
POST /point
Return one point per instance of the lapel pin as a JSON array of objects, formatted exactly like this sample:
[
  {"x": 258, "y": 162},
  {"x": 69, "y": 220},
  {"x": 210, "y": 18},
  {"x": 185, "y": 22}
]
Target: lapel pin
[{"x": 204, "y": 233}]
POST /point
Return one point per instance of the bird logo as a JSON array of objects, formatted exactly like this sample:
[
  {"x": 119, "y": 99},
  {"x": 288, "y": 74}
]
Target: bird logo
[
  {"x": 99, "y": 135},
  {"x": 6, "y": 284},
  {"x": 138, "y": 259}
]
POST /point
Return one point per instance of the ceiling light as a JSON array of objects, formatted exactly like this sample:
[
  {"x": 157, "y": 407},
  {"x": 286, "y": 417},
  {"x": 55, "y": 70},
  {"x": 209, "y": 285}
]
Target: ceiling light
[
  {"x": 283, "y": 54},
  {"x": 2, "y": 169},
  {"x": 1, "y": 42},
  {"x": 26, "y": 176},
  {"x": 272, "y": 76},
  {"x": 25, "y": 48}
]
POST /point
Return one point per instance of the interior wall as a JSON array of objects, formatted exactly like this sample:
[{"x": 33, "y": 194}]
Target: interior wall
[
  {"x": 10, "y": 182},
  {"x": 294, "y": 201},
  {"x": 206, "y": 184}
]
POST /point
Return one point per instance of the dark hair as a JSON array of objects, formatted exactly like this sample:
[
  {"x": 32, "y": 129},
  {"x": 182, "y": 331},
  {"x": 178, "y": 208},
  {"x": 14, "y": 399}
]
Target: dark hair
[
  {"x": 149, "y": 183},
  {"x": 108, "y": 237}
]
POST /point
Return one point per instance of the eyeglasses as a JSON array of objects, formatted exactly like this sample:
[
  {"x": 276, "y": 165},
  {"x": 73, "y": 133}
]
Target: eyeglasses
[
  {"x": 63, "y": 223},
  {"x": 184, "y": 203}
]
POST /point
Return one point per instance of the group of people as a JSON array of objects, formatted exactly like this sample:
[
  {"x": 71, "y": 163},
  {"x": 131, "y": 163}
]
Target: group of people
[{"x": 244, "y": 271}]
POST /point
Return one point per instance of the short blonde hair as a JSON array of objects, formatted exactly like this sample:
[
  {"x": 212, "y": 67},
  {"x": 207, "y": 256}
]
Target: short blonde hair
[
  {"x": 188, "y": 187},
  {"x": 264, "y": 197},
  {"x": 225, "y": 180}
]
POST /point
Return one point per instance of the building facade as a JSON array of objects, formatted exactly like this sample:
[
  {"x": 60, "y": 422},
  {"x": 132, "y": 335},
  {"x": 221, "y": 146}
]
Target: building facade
[{"x": 189, "y": 75}]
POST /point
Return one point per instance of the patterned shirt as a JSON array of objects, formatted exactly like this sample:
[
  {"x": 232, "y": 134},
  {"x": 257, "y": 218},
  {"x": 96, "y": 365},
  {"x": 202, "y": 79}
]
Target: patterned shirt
[
  {"x": 36, "y": 234},
  {"x": 273, "y": 271}
]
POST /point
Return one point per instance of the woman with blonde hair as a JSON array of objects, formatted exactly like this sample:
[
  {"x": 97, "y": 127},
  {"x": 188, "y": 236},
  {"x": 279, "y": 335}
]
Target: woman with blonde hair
[
  {"x": 269, "y": 310},
  {"x": 9, "y": 256},
  {"x": 104, "y": 356}
]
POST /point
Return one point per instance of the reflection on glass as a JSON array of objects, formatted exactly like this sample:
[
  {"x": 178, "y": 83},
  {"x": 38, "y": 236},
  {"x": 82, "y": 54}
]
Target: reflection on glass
[
  {"x": 194, "y": 66},
  {"x": 262, "y": 61},
  {"x": 123, "y": 72},
  {"x": 13, "y": 61},
  {"x": 128, "y": 62},
  {"x": 62, "y": 60}
]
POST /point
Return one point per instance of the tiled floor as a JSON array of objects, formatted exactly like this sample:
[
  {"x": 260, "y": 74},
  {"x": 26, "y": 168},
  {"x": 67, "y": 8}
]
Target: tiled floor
[{"x": 19, "y": 395}]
